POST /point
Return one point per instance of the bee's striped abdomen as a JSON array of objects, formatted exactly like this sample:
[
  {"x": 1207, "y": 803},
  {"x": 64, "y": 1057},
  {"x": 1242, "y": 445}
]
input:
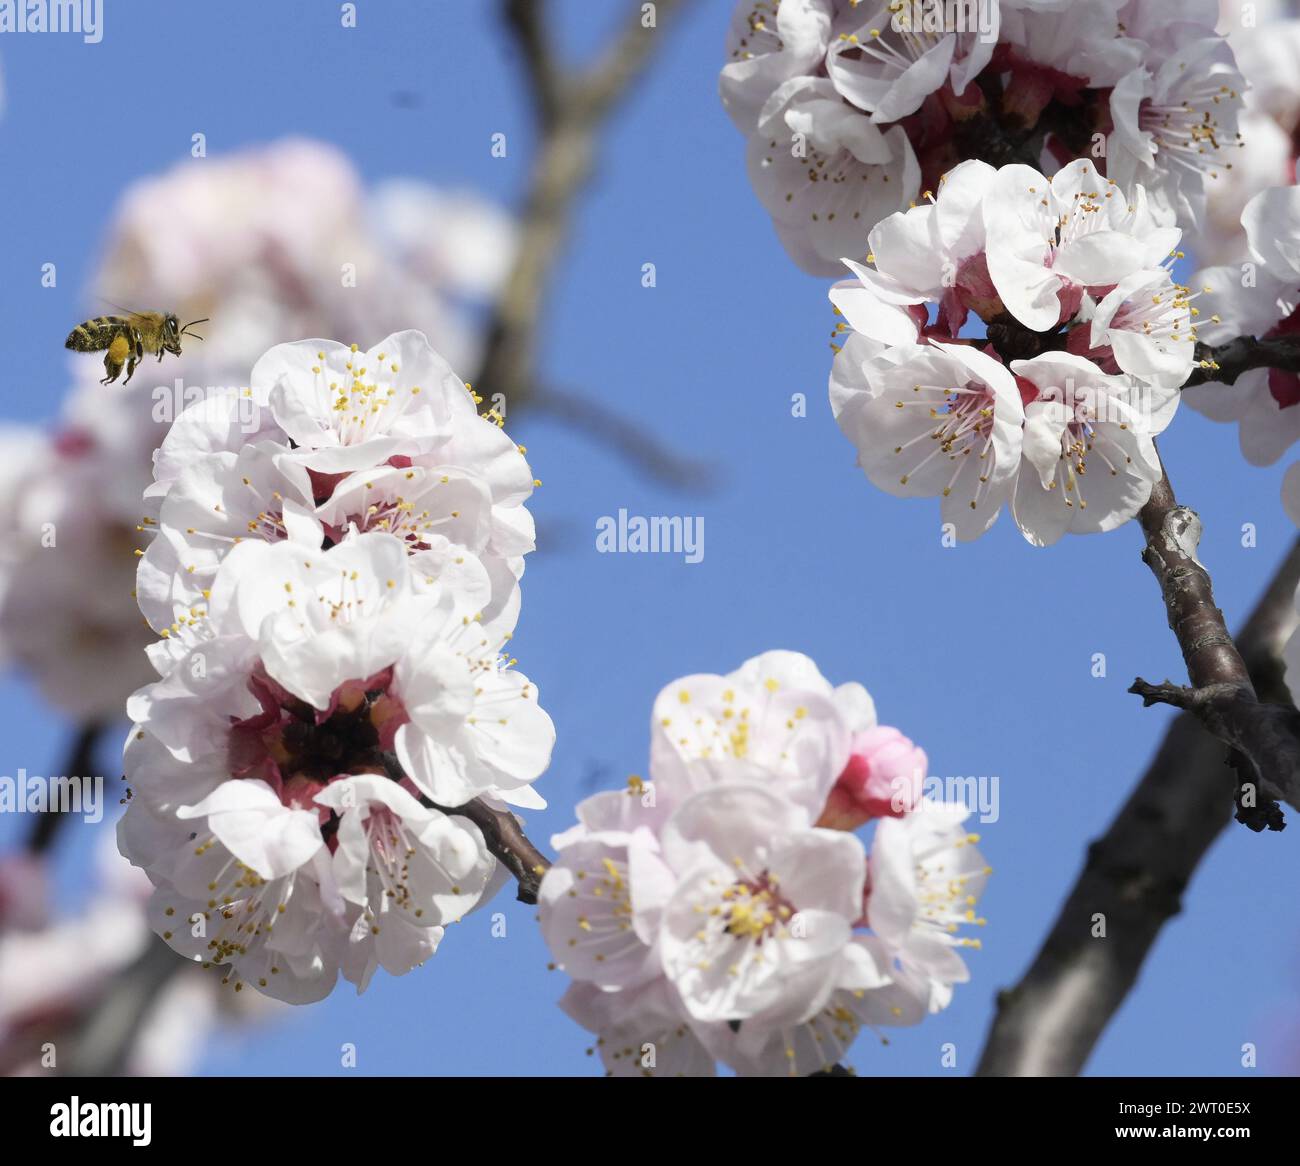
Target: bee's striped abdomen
[{"x": 94, "y": 335}]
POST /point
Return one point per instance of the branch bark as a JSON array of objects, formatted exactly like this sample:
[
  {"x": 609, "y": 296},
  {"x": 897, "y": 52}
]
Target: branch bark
[
  {"x": 571, "y": 110},
  {"x": 507, "y": 841},
  {"x": 1264, "y": 738},
  {"x": 501, "y": 830},
  {"x": 1226, "y": 362},
  {"x": 1134, "y": 876}
]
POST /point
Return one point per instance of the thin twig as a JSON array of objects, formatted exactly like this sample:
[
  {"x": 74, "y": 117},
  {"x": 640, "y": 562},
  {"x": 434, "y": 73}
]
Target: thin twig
[
  {"x": 501, "y": 831},
  {"x": 1133, "y": 880},
  {"x": 1264, "y": 738},
  {"x": 571, "y": 107},
  {"x": 623, "y": 436},
  {"x": 507, "y": 841}
]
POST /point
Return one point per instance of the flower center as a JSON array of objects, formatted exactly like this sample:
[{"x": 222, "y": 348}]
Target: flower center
[
  {"x": 298, "y": 750},
  {"x": 364, "y": 400},
  {"x": 965, "y": 423},
  {"x": 1187, "y": 132},
  {"x": 754, "y": 908}
]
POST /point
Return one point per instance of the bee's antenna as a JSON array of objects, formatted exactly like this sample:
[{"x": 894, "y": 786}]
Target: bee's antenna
[{"x": 185, "y": 331}]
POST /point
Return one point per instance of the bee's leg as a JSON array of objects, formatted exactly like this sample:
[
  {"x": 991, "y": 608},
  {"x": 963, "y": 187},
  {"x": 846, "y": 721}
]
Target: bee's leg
[
  {"x": 120, "y": 348},
  {"x": 130, "y": 369}
]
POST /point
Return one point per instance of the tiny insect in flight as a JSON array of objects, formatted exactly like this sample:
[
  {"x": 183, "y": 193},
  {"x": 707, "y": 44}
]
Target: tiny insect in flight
[{"x": 124, "y": 340}]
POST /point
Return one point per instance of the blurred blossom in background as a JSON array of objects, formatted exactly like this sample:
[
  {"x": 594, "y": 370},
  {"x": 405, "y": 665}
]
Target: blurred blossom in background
[{"x": 1268, "y": 55}]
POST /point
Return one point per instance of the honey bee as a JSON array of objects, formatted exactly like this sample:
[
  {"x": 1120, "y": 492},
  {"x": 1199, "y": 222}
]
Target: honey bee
[{"x": 124, "y": 340}]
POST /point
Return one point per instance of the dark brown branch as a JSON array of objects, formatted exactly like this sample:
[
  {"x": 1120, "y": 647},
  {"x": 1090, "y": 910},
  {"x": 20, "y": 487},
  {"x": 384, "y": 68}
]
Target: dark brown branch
[
  {"x": 1226, "y": 362},
  {"x": 501, "y": 831},
  {"x": 571, "y": 112},
  {"x": 1264, "y": 739},
  {"x": 506, "y": 839},
  {"x": 1134, "y": 876}
]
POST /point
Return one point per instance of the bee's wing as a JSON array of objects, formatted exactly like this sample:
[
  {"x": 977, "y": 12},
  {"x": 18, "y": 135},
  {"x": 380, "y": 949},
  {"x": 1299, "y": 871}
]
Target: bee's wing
[{"x": 119, "y": 307}]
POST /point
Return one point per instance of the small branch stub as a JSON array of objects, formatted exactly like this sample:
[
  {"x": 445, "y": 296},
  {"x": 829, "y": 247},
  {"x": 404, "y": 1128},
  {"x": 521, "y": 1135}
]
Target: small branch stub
[
  {"x": 501, "y": 831},
  {"x": 1263, "y": 740}
]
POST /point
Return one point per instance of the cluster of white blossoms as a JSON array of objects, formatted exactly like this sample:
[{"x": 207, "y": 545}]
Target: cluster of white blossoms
[
  {"x": 334, "y": 577},
  {"x": 1018, "y": 340},
  {"x": 271, "y": 241},
  {"x": 851, "y": 107},
  {"x": 724, "y": 910}
]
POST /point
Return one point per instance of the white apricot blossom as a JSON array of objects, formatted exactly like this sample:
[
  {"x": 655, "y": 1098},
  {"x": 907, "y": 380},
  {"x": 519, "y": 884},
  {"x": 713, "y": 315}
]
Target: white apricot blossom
[
  {"x": 329, "y": 439},
  {"x": 1175, "y": 125},
  {"x": 759, "y": 921},
  {"x": 852, "y": 108},
  {"x": 290, "y": 759},
  {"x": 1067, "y": 270},
  {"x": 1051, "y": 241},
  {"x": 770, "y": 42},
  {"x": 926, "y": 876},
  {"x": 932, "y": 420},
  {"x": 825, "y": 173},
  {"x": 775, "y": 720},
  {"x": 1266, "y": 46},
  {"x": 1090, "y": 462},
  {"x": 718, "y": 911},
  {"x": 887, "y": 61}
]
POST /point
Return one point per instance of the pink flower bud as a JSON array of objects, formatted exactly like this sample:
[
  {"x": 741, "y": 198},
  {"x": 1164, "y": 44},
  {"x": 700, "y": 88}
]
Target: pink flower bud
[{"x": 884, "y": 778}]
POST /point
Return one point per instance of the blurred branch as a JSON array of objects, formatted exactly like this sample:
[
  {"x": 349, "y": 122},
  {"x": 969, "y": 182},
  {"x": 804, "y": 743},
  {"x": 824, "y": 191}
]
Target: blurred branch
[
  {"x": 1134, "y": 876},
  {"x": 1263, "y": 738},
  {"x": 103, "y": 1043},
  {"x": 525, "y": 21},
  {"x": 621, "y": 435},
  {"x": 571, "y": 107},
  {"x": 1226, "y": 362},
  {"x": 80, "y": 763}
]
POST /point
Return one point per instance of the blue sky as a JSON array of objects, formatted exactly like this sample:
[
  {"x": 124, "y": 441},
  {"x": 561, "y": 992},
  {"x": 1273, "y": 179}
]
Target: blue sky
[{"x": 982, "y": 653}]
